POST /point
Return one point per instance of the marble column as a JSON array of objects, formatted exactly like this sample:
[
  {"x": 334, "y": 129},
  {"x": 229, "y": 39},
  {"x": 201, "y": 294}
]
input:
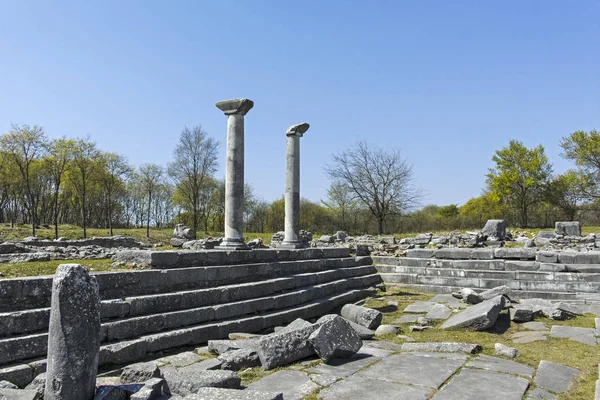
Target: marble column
[
  {"x": 292, "y": 186},
  {"x": 234, "y": 173}
]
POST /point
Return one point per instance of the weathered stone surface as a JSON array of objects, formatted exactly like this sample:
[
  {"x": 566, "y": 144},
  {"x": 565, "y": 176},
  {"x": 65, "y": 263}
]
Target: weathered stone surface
[
  {"x": 208, "y": 364},
  {"x": 219, "y": 347},
  {"x": 478, "y": 384},
  {"x": 363, "y": 332},
  {"x": 20, "y": 375},
  {"x": 438, "y": 311},
  {"x": 521, "y": 313},
  {"x": 470, "y": 296},
  {"x": 242, "y": 336},
  {"x": 504, "y": 350},
  {"x": 528, "y": 337},
  {"x": 540, "y": 394},
  {"x": 387, "y": 330},
  {"x": 185, "y": 381},
  {"x": 444, "y": 347},
  {"x": 285, "y": 346},
  {"x": 582, "y": 335},
  {"x": 74, "y": 334},
  {"x": 236, "y": 360},
  {"x": 501, "y": 365},
  {"x": 154, "y": 389},
  {"x": 294, "y": 385},
  {"x": 140, "y": 372},
  {"x": 182, "y": 359},
  {"x": 360, "y": 387},
  {"x": 535, "y": 326},
  {"x": 232, "y": 394},
  {"x": 419, "y": 307},
  {"x": 366, "y": 317},
  {"x": 479, "y": 317},
  {"x": 497, "y": 291},
  {"x": 568, "y": 228},
  {"x": 18, "y": 394},
  {"x": 408, "y": 318},
  {"x": 554, "y": 377},
  {"x": 494, "y": 229},
  {"x": 7, "y": 385},
  {"x": 38, "y": 385},
  {"x": 334, "y": 338},
  {"x": 415, "y": 369}
]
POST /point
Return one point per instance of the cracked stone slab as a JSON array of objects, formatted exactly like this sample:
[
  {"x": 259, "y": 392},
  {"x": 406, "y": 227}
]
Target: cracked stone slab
[
  {"x": 382, "y": 344},
  {"x": 540, "y": 394},
  {"x": 582, "y": 335},
  {"x": 448, "y": 299},
  {"x": 360, "y": 387},
  {"x": 528, "y": 337},
  {"x": 438, "y": 311},
  {"x": 231, "y": 394},
  {"x": 483, "y": 385},
  {"x": 414, "y": 369},
  {"x": 294, "y": 385},
  {"x": 535, "y": 326},
  {"x": 554, "y": 377},
  {"x": 419, "y": 307},
  {"x": 444, "y": 347},
  {"x": 341, "y": 368},
  {"x": 497, "y": 364},
  {"x": 180, "y": 360}
]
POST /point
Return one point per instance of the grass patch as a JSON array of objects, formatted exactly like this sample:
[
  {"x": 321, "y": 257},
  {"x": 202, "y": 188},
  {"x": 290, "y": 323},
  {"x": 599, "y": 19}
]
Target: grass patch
[
  {"x": 562, "y": 351},
  {"x": 49, "y": 267}
]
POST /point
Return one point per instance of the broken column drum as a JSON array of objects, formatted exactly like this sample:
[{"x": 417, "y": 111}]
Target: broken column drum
[
  {"x": 234, "y": 172},
  {"x": 292, "y": 185}
]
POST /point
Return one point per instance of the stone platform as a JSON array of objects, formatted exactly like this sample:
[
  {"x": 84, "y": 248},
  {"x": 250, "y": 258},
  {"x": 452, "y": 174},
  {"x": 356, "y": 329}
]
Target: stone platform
[{"x": 200, "y": 296}]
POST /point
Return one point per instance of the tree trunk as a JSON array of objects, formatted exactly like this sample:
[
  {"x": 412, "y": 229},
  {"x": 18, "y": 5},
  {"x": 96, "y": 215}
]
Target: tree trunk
[
  {"x": 148, "y": 217},
  {"x": 380, "y": 226},
  {"x": 56, "y": 213}
]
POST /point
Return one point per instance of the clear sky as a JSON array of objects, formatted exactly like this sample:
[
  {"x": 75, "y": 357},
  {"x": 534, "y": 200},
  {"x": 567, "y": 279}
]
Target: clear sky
[{"x": 447, "y": 82}]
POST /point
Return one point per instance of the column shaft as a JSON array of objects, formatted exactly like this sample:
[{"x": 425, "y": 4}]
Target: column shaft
[{"x": 292, "y": 190}]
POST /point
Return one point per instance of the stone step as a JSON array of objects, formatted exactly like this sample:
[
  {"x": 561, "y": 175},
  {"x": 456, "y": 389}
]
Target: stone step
[
  {"x": 491, "y": 274},
  {"x": 26, "y": 346},
  {"x": 26, "y": 321},
  {"x": 127, "y": 351},
  {"x": 34, "y": 292},
  {"x": 488, "y": 283},
  {"x": 495, "y": 265}
]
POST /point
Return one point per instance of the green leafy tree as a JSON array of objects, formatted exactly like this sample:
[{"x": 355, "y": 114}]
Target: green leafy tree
[
  {"x": 584, "y": 149},
  {"x": 568, "y": 192},
  {"x": 150, "y": 178},
  {"x": 56, "y": 163},
  {"x": 85, "y": 162},
  {"x": 520, "y": 177},
  {"x": 475, "y": 212}
]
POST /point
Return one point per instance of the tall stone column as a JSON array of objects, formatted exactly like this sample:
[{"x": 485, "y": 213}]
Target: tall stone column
[
  {"x": 73, "y": 335},
  {"x": 234, "y": 173},
  {"x": 292, "y": 186}
]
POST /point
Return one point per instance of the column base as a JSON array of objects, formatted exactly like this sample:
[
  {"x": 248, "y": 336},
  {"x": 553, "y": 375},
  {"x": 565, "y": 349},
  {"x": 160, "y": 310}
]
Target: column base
[{"x": 232, "y": 244}]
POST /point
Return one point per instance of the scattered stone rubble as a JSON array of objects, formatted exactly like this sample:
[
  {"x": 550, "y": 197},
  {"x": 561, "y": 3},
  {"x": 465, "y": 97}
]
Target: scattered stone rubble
[{"x": 34, "y": 249}]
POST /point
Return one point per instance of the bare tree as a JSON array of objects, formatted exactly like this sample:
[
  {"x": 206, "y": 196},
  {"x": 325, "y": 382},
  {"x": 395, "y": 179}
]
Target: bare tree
[
  {"x": 85, "y": 157},
  {"x": 115, "y": 170},
  {"x": 195, "y": 159},
  {"x": 59, "y": 156},
  {"x": 380, "y": 179},
  {"x": 150, "y": 176}
]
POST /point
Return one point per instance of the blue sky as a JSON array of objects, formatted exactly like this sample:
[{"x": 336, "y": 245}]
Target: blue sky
[{"x": 446, "y": 82}]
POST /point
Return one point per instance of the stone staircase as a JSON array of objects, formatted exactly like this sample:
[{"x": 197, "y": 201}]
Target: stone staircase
[
  {"x": 145, "y": 312},
  {"x": 565, "y": 276}
]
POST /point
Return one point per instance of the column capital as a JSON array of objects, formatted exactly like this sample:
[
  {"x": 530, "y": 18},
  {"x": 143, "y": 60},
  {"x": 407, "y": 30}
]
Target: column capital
[
  {"x": 235, "y": 106},
  {"x": 297, "y": 130}
]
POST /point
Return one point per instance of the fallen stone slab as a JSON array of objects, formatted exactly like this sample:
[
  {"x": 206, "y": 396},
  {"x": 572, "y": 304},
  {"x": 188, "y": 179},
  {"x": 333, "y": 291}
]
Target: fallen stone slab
[
  {"x": 233, "y": 394},
  {"x": 408, "y": 318},
  {"x": 504, "y": 350},
  {"x": 219, "y": 347},
  {"x": 554, "y": 377},
  {"x": 438, "y": 312},
  {"x": 140, "y": 372},
  {"x": 360, "y": 387},
  {"x": 470, "y": 296},
  {"x": 444, "y": 347},
  {"x": 528, "y": 337},
  {"x": 481, "y": 384},
  {"x": 535, "y": 326},
  {"x": 154, "y": 389},
  {"x": 20, "y": 375},
  {"x": 540, "y": 394},
  {"x": 387, "y": 330},
  {"x": 497, "y": 291},
  {"x": 285, "y": 347},
  {"x": 242, "y": 336},
  {"x": 415, "y": 369},
  {"x": 185, "y": 381},
  {"x": 582, "y": 335},
  {"x": 382, "y": 344},
  {"x": 501, "y": 365},
  {"x": 7, "y": 385},
  {"x": 18, "y": 394},
  {"x": 208, "y": 364},
  {"x": 419, "y": 307},
  {"x": 343, "y": 367},
  {"x": 364, "y": 333},
  {"x": 294, "y": 385},
  {"x": 38, "y": 384},
  {"x": 335, "y": 338},
  {"x": 479, "y": 317},
  {"x": 563, "y": 311},
  {"x": 182, "y": 359},
  {"x": 521, "y": 313},
  {"x": 236, "y": 360},
  {"x": 296, "y": 324},
  {"x": 364, "y": 316}
]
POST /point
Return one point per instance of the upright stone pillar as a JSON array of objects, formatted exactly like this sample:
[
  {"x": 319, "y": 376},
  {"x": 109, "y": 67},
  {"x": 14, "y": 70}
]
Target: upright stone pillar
[
  {"x": 292, "y": 186},
  {"x": 73, "y": 335},
  {"x": 234, "y": 173}
]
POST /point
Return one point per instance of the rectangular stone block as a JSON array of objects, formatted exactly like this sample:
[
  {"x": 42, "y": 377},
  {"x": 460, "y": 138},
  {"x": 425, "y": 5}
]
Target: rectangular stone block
[
  {"x": 123, "y": 352},
  {"x": 25, "y": 321},
  {"x": 20, "y": 375},
  {"x": 546, "y": 256},
  {"x": 23, "y": 347},
  {"x": 534, "y": 276},
  {"x": 522, "y": 253},
  {"x": 453, "y": 254},
  {"x": 420, "y": 253},
  {"x": 569, "y": 257},
  {"x": 482, "y": 254},
  {"x": 521, "y": 265},
  {"x": 336, "y": 252}
]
